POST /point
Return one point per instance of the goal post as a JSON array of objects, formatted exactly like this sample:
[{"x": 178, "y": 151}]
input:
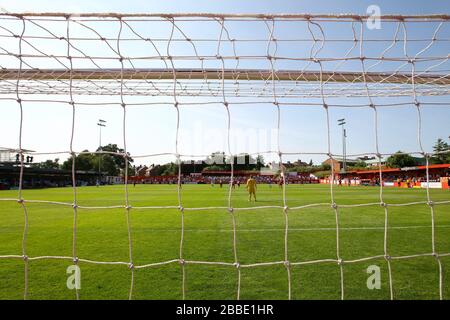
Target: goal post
[{"x": 226, "y": 59}]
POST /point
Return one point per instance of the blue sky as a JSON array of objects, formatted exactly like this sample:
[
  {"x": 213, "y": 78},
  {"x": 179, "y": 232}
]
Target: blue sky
[{"x": 151, "y": 130}]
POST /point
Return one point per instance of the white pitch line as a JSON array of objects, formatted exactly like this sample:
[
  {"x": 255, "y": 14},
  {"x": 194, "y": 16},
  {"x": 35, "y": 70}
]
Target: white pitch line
[{"x": 299, "y": 229}]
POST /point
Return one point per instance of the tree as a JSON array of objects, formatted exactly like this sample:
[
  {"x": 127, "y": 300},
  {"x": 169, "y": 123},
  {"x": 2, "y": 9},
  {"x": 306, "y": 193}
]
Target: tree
[
  {"x": 109, "y": 164},
  {"x": 170, "y": 169},
  {"x": 83, "y": 161},
  {"x": 47, "y": 164},
  {"x": 118, "y": 160},
  {"x": 157, "y": 170},
  {"x": 400, "y": 160},
  {"x": 260, "y": 162},
  {"x": 440, "y": 148},
  {"x": 359, "y": 164}
]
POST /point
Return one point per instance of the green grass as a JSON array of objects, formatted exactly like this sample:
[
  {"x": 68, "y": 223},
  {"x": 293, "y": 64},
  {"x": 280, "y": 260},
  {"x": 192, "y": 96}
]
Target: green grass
[{"x": 102, "y": 236}]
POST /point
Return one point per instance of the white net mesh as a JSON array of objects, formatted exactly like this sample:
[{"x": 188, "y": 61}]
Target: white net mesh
[{"x": 182, "y": 60}]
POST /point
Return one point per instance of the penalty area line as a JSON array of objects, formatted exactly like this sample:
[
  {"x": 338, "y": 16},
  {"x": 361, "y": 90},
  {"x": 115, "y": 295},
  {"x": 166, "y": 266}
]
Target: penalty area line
[{"x": 380, "y": 228}]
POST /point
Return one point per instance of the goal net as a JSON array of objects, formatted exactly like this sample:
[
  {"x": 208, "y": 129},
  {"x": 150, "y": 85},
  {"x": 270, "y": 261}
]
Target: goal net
[{"x": 182, "y": 60}]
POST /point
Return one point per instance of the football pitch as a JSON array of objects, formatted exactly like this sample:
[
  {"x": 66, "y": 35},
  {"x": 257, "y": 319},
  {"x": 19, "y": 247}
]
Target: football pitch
[{"x": 208, "y": 236}]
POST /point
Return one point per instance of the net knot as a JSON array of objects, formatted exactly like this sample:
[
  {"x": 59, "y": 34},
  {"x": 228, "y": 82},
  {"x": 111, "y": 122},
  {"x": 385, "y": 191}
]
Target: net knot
[
  {"x": 285, "y": 209},
  {"x": 123, "y": 105},
  {"x": 69, "y": 57},
  {"x": 287, "y": 264},
  {"x": 237, "y": 265},
  {"x": 372, "y": 106},
  {"x": 182, "y": 261},
  {"x": 62, "y": 38},
  {"x": 176, "y": 104},
  {"x": 181, "y": 208},
  {"x": 131, "y": 266},
  {"x": 430, "y": 203},
  {"x": 435, "y": 255},
  {"x": 334, "y": 205},
  {"x": 19, "y": 100},
  {"x": 383, "y": 204},
  {"x": 387, "y": 257},
  {"x": 230, "y": 210},
  {"x": 20, "y": 201},
  {"x": 25, "y": 257},
  {"x": 71, "y": 103},
  {"x": 325, "y": 106},
  {"x": 75, "y": 206},
  {"x": 417, "y": 103},
  {"x": 225, "y": 104},
  {"x": 340, "y": 262},
  {"x": 75, "y": 260},
  {"x": 362, "y": 58},
  {"x": 128, "y": 207}
]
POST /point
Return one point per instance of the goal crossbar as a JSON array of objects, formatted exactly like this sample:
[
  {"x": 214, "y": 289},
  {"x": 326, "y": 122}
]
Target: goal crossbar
[
  {"x": 259, "y": 16},
  {"x": 217, "y": 74}
]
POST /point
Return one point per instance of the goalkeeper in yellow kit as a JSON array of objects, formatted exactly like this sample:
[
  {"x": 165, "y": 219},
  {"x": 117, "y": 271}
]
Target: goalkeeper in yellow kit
[{"x": 251, "y": 188}]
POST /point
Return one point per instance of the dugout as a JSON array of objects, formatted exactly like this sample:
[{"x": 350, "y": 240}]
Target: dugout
[{"x": 43, "y": 178}]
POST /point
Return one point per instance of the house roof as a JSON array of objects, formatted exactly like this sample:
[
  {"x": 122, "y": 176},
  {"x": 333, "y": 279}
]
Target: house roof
[
  {"x": 14, "y": 150},
  {"x": 348, "y": 160},
  {"x": 431, "y": 166},
  {"x": 374, "y": 161}
]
